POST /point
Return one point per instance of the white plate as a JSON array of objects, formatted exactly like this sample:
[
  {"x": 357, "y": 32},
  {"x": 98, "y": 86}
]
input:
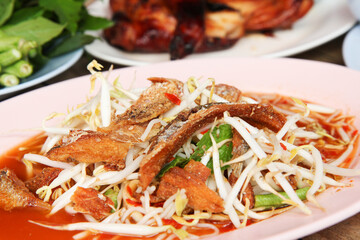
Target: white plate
[
  {"x": 327, "y": 20},
  {"x": 351, "y": 48},
  {"x": 54, "y": 67},
  {"x": 326, "y": 84}
]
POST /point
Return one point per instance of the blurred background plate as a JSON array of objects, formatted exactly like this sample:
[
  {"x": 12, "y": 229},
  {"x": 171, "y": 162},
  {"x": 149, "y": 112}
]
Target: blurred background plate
[
  {"x": 351, "y": 44},
  {"x": 351, "y": 48},
  {"x": 325, "y": 21},
  {"x": 54, "y": 67}
]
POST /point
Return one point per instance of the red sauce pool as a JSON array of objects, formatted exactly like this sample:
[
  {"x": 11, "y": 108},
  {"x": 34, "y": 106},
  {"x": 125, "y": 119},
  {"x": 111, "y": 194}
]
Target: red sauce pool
[{"x": 15, "y": 224}]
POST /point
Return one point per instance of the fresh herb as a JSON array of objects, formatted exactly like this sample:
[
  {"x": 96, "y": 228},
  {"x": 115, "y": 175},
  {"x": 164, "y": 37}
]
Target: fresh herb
[
  {"x": 225, "y": 155},
  {"x": 176, "y": 162},
  {"x": 113, "y": 195},
  {"x": 219, "y": 133},
  {"x": 39, "y": 29},
  {"x": 6, "y": 8},
  {"x": 52, "y": 27}
]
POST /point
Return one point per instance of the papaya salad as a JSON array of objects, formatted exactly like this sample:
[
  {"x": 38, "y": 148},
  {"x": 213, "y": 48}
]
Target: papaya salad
[{"x": 179, "y": 160}]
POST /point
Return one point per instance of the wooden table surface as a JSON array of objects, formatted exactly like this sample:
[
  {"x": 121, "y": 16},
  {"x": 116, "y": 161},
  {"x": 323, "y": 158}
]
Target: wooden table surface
[{"x": 329, "y": 52}]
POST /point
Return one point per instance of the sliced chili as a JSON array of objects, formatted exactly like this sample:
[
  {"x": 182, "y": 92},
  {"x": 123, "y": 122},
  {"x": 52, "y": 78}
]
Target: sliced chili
[
  {"x": 283, "y": 146},
  {"x": 173, "y": 98}
]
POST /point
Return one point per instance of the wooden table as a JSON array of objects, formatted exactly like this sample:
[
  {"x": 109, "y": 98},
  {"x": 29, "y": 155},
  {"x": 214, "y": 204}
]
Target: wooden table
[{"x": 329, "y": 52}]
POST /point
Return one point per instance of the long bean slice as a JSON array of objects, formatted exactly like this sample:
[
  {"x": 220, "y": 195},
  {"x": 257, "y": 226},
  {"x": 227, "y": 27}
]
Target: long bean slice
[
  {"x": 21, "y": 69},
  {"x": 8, "y": 80},
  {"x": 273, "y": 201},
  {"x": 9, "y": 57},
  {"x": 8, "y": 42}
]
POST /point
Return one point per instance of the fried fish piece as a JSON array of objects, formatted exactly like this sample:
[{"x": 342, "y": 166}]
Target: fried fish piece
[
  {"x": 167, "y": 142},
  {"x": 112, "y": 143},
  {"x": 247, "y": 192},
  {"x": 14, "y": 194},
  {"x": 44, "y": 178},
  {"x": 152, "y": 102},
  {"x": 240, "y": 147},
  {"x": 228, "y": 92},
  {"x": 90, "y": 201},
  {"x": 89, "y": 147},
  {"x": 198, "y": 169},
  {"x": 199, "y": 195}
]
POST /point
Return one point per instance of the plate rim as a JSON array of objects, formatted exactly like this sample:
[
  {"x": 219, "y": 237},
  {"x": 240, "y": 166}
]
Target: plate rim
[
  {"x": 349, "y": 45},
  {"x": 313, "y": 227}
]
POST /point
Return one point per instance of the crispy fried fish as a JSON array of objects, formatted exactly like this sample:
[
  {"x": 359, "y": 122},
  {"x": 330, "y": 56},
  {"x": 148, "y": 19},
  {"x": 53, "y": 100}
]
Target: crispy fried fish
[
  {"x": 89, "y": 147},
  {"x": 14, "y": 194},
  {"x": 112, "y": 143},
  {"x": 200, "y": 196},
  {"x": 167, "y": 142}
]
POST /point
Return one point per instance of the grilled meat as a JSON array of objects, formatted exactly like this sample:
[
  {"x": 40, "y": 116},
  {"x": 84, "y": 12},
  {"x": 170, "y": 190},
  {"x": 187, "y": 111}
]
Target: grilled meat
[
  {"x": 269, "y": 14},
  {"x": 182, "y": 27},
  {"x": 190, "y": 28}
]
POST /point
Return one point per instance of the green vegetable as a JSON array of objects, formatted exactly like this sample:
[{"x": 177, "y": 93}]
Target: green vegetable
[
  {"x": 273, "y": 201},
  {"x": 220, "y": 133},
  {"x": 9, "y": 57},
  {"x": 112, "y": 194},
  {"x": 27, "y": 46},
  {"x": 68, "y": 12},
  {"x": 6, "y": 9},
  {"x": 39, "y": 29},
  {"x": 21, "y": 69},
  {"x": 69, "y": 43},
  {"x": 225, "y": 155},
  {"x": 32, "y": 53},
  {"x": 42, "y": 29},
  {"x": 93, "y": 23},
  {"x": 25, "y": 13},
  {"x": 7, "y": 42},
  {"x": 177, "y": 162},
  {"x": 8, "y": 80}
]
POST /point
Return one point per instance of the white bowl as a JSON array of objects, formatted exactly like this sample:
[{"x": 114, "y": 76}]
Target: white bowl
[{"x": 355, "y": 8}]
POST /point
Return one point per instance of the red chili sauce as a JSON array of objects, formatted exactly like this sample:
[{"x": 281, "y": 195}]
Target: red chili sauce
[{"x": 15, "y": 224}]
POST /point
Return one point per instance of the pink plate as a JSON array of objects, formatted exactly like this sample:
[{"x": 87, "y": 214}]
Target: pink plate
[{"x": 326, "y": 84}]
